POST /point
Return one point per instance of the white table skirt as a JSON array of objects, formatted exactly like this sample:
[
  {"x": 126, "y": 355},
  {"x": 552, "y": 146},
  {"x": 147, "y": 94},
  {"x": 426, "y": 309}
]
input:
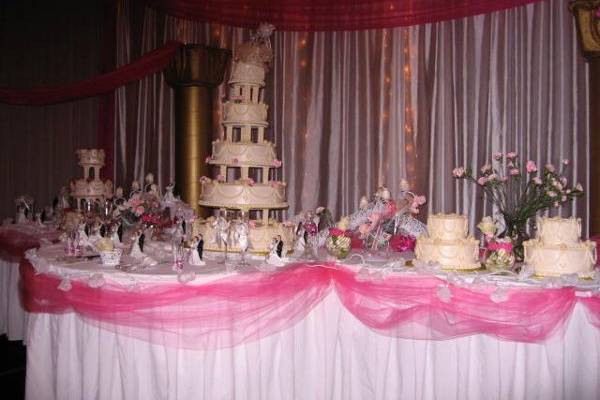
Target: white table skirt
[
  {"x": 328, "y": 355},
  {"x": 13, "y": 318}
]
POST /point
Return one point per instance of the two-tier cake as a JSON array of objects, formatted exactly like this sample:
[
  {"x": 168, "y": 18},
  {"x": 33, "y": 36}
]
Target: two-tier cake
[
  {"x": 246, "y": 186},
  {"x": 558, "y": 249},
  {"x": 91, "y": 188},
  {"x": 448, "y": 243}
]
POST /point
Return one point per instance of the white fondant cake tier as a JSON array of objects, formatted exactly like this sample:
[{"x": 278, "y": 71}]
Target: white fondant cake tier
[
  {"x": 260, "y": 236},
  {"x": 243, "y": 153},
  {"x": 559, "y": 259},
  {"x": 460, "y": 254},
  {"x": 447, "y": 226},
  {"x": 242, "y": 196},
  {"x": 558, "y": 230},
  {"x": 91, "y": 189},
  {"x": 245, "y": 113},
  {"x": 242, "y": 72}
]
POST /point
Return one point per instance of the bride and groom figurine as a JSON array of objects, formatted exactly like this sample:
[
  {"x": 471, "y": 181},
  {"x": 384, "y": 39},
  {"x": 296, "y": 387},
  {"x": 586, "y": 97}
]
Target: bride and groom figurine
[
  {"x": 275, "y": 256},
  {"x": 197, "y": 246}
]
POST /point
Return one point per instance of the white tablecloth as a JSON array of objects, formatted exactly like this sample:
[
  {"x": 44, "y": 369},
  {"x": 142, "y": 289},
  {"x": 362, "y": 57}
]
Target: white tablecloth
[
  {"x": 328, "y": 355},
  {"x": 13, "y": 319}
]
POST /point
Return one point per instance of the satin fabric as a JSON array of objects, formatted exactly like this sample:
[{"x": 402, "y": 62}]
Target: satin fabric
[
  {"x": 352, "y": 110},
  {"x": 340, "y": 15}
]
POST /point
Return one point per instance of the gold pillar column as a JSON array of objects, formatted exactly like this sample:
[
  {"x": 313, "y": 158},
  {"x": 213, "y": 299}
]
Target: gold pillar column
[
  {"x": 587, "y": 21},
  {"x": 194, "y": 71}
]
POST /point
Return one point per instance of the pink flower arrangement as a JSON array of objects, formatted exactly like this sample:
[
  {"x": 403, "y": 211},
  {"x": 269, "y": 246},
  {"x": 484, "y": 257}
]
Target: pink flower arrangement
[{"x": 517, "y": 196}]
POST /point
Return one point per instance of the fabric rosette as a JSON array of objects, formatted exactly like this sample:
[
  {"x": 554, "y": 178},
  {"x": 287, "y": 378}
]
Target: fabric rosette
[{"x": 338, "y": 244}]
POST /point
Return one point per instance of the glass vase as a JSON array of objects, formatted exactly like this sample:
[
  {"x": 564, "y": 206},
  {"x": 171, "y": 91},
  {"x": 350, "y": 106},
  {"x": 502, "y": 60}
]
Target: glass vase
[{"x": 516, "y": 230}]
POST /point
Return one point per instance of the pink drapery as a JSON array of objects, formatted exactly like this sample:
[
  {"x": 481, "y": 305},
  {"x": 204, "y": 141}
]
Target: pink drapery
[
  {"x": 340, "y": 15},
  {"x": 148, "y": 64},
  {"x": 247, "y": 307}
]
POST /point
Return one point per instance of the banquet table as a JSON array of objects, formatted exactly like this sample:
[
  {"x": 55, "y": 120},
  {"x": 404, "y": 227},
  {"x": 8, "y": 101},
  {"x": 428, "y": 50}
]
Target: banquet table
[
  {"x": 14, "y": 241},
  {"x": 307, "y": 330}
]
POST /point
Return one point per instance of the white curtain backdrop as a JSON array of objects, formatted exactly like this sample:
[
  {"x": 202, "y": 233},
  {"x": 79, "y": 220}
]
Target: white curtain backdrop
[{"x": 352, "y": 110}]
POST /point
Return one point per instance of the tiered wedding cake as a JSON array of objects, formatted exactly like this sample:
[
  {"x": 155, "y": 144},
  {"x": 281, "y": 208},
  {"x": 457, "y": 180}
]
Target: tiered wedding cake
[
  {"x": 448, "y": 243},
  {"x": 91, "y": 188},
  {"x": 246, "y": 160},
  {"x": 558, "y": 249}
]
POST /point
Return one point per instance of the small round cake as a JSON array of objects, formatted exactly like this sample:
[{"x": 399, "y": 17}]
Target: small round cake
[
  {"x": 558, "y": 249},
  {"x": 448, "y": 243}
]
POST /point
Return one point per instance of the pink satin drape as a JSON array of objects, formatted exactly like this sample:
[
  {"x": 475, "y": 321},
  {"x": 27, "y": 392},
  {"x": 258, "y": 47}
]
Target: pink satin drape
[{"x": 352, "y": 110}]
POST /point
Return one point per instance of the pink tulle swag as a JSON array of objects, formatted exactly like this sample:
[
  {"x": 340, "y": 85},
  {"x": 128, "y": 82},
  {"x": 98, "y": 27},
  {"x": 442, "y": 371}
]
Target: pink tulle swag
[
  {"x": 402, "y": 243},
  {"x": 246, "y": 307}
]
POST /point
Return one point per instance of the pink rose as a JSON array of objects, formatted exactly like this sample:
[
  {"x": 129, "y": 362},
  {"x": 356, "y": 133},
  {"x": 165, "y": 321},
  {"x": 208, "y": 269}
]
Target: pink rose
[
  {"x": 420, "y": 200},
  {"x": 556, "y": 204},
  {"x": 504, "y": 179},
  {"x": 549, "y": 167},
  {"x": 482, "y": 180},
  {"x": 511, "y": 156},
  {"x": 514, "y": 171},
  {"x": 250, "y": 182},
  {"x": 550, "y": 193},
  {"x": 563, "y": 198},
  {"x": 390, "y": 208},
  {"x": 277, "y": 163},
  {"x": 486, "y": 168},
  {"x": 374, "y": 218},
  {"x": 498, "y": 156},
  {"x": 492, "y": 177},
  {"x": 458, "y": 172},
  {"x": 578, "y": 187},
  {"x": 139, "y": 210},
  {"x": 364, "y": 229},
  {"x": 566, "y": 161},
  {"x": 537, "y": 180},
  {"x": 531, "y": 167}
]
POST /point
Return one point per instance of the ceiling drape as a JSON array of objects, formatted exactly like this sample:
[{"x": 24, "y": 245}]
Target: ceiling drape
[{"x": 338, "y": 15}]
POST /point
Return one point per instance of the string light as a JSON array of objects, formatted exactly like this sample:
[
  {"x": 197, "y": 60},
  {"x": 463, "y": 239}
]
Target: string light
[{"x": 408, "y": 114}]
